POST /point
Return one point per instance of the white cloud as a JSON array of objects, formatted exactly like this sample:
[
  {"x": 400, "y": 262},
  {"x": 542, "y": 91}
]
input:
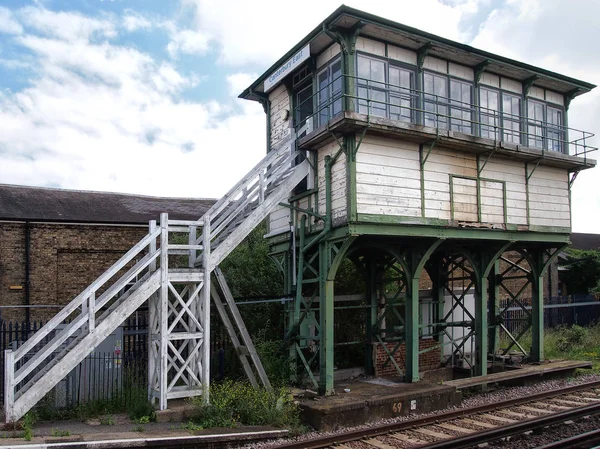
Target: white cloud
[
  {"x": 251, "y": 32},
  {"x": 239, "y": 81},
  {"x": 133, "y": 21},
  {"x": 563, "y": 39},
  {"x": 8, "y": 24},
  {"x": 108, "y": 117},
  {"x": 188, "y": 42},
  {"x": 66, "y": 25}
]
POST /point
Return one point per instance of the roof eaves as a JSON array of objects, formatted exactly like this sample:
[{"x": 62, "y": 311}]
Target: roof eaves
[{"x": 377, "y": 20}]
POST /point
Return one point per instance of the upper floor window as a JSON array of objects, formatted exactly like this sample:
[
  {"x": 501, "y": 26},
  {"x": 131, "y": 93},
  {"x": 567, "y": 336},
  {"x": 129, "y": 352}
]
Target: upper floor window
[
  {"x": 435, "y": 100},
  {"x": 511, "y": 118},
  {"x": 401, "y": 96},
  {"x": 461, "y": 104},
  {"x": 329, "y": 93},
  {"x": 489, "y": 113},
  {"x": 555, "y": 132},
  {"x": 544, "y": 126},
  {"x": 384, "y": 90}
]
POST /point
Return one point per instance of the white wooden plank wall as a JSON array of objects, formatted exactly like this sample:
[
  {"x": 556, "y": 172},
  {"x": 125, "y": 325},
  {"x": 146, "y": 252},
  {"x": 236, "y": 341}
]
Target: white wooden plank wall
[
  {"x": 492, "y": 202},
  {"x": 513, "y": 173},
  {"x": 464, "y": 194},
  {"x": 388, "y": 183},
  {"x": 338, "y": 182},
  {"x": 280, "y": 102},
  {"x": 388, "y": 178},
  {"x": 549, "y": 197},
  {"x": 440, "y": 164}
]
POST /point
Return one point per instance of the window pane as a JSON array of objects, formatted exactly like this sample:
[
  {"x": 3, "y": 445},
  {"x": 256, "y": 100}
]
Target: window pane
[
  {"x": 460, "y": 99},
  {"x": 377, "y": 71},
  {"x": 555, "y": 131},
  {"x": 304, "y": 105},
  {"x": 364, "y": 68},
  {"x": 511, "y": 120},
  {"x": 437, "y": 85},
  {"x": 488, "y": 115},
  {"x": 394, "y": 80}
]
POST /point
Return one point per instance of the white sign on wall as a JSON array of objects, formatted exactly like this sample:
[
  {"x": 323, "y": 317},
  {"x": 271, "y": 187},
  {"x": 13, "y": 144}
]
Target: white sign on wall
[{"x": 275, "y": 77}]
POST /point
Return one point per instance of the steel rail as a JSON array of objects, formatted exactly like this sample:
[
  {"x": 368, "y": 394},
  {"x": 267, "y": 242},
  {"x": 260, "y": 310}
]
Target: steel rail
[
  {"x": 583, "y": 441},
  {"x": 353, "y": 435},
  {"x": 513, "y": 429}
]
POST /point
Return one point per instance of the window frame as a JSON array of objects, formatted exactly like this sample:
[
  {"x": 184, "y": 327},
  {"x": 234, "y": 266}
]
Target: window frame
[
  {"x": 470, "y": 108},
  {"x": 557, "y": 144},
  {"x": 322, "y": 117},
  {"x": 389, "y": 93},
  {"x": 518, "y": 120},
  {"x": 497, "y": 128}
]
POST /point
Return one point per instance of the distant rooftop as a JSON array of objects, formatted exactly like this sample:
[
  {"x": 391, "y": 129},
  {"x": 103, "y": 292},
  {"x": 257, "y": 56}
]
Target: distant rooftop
[
  {"x": 585, "y": 241},
  {"x": 22, "y": 203}
]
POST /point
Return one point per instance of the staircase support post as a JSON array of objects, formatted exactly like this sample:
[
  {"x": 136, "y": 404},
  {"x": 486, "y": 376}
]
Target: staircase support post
[
  {"x": 205, "y": 305},
  {"x": 152, "y": 316},
  {"x": 164, "y": 310},
  {"x": 9, "y": 387}
]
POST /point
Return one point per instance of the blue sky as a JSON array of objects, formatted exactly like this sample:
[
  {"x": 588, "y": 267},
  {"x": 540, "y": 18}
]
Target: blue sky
[{"x": 140, "y": 95}]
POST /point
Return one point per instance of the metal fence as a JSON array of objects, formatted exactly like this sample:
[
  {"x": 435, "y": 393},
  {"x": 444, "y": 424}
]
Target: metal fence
[
  {"x": 114, "y": 376},
  {"x": 119, "y": 376},
  {"x": 583, "y": 310}
]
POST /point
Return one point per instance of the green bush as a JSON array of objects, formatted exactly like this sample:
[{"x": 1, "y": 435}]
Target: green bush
[
  {"x": 234, "y": 403},
  {"x": 571, "y": 338}
]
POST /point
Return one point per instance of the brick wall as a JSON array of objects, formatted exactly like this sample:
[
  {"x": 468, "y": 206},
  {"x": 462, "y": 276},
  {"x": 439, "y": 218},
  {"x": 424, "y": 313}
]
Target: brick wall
[
  {"x": 427, "y": 361},
  {"x": 64, "y": 259}
]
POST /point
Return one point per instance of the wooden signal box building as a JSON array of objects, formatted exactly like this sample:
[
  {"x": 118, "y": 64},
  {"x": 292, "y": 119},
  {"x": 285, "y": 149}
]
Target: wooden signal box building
[{"x": 435, "y": 166}]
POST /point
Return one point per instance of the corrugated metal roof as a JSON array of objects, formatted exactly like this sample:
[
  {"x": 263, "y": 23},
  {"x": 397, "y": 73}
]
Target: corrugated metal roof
[{"x": 22, "y": 203}]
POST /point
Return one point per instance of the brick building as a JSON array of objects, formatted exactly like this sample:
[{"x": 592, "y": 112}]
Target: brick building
[{"x": 54, "y": 242}]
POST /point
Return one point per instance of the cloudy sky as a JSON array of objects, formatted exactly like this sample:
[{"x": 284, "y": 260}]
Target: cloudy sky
[{"x": 140, "y": 95}]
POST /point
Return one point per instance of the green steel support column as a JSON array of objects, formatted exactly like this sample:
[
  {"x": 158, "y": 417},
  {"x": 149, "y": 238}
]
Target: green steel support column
[
  {"x": 537, "y": 301},
  {"x": 296, "y": 306},
  {"x": 326, "y": 315},
  {"x": 488, "y": 264},
  {"x": 481, "y": 326},
  {"x": 417, "y": 261},
  {"x": 537, "y": 317},
  {"x": 412, "y": 330},
  {"x": 371, "y": 316},
  {"x": 494, "y": 304},
  {"x": 350, "y": 145},
  {"x": 347, "y": 40},
  {"x": 439, "y": 291},
  {"x": 328, "y": 267}
]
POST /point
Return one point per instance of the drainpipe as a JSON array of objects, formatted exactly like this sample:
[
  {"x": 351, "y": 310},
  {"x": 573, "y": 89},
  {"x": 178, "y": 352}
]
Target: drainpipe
[{"x": 27, "y": 270}]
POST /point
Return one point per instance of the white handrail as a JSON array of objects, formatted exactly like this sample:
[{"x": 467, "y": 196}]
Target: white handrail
[{"x": 83, "y": 296}]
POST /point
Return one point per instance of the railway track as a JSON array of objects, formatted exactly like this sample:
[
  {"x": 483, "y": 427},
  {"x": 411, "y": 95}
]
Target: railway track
[{"x": 468, "y": 427}]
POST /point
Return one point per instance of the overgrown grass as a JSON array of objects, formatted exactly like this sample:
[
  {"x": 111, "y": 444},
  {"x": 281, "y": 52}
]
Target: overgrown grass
[
  {"x": 136, "y": 405},
  {"x": 238, "y": 403},
  {"x": 572, "y": 343}
]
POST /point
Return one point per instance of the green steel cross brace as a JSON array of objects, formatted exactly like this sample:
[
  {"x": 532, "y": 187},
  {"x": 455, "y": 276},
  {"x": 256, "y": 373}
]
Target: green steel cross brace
[{"x": 431, "y": 145}]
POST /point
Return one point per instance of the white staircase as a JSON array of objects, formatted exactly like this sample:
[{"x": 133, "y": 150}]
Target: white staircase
[{"x": 170, "y": 267}]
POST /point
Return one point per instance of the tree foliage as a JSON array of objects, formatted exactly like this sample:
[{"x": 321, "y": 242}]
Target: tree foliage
[
  {"x": 583, "y": 271},
  {"x": 251, "y": 273},
  {"x": 249, "y": 270}
]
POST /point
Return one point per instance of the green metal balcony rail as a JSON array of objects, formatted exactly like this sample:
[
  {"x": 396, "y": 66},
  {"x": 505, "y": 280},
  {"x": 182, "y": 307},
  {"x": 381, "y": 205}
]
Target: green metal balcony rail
[{"x": 401, "y": 104}]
